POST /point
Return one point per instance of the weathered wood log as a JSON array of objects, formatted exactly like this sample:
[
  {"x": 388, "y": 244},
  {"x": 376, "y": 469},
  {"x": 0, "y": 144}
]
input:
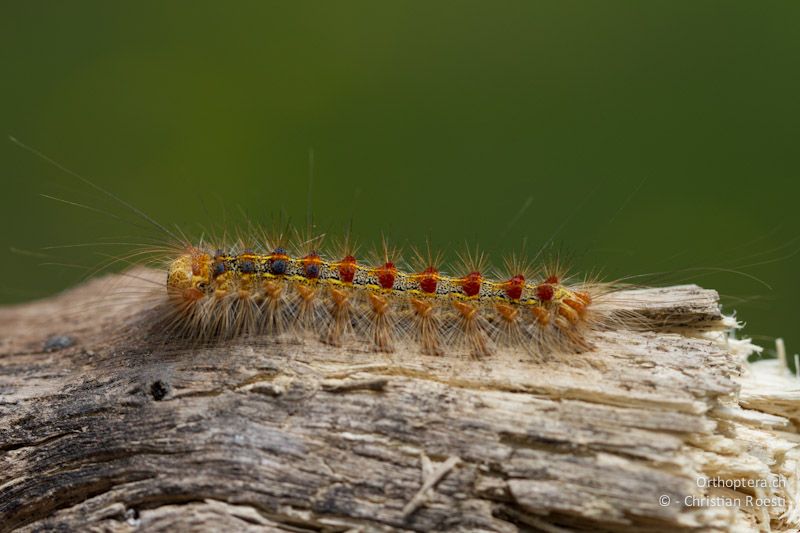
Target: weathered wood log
[{"x": 640, "y": 434}]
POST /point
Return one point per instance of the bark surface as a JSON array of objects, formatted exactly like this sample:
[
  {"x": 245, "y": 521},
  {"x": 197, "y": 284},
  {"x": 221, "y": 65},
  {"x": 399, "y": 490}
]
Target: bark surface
[{"x": 100, "y": 430}]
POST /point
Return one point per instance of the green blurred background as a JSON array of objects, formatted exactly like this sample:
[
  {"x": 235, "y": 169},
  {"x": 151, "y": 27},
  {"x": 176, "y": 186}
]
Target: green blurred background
[{"x": 652, "y": 136}]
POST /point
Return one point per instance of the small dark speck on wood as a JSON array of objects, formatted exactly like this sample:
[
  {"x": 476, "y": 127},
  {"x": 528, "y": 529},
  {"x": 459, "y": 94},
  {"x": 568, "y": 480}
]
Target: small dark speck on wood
[{"x": 159, "y": 390}]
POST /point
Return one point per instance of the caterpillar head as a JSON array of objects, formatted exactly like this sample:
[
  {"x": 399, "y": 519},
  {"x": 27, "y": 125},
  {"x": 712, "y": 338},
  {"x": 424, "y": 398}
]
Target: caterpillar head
[{"x": 187, "y": 276}]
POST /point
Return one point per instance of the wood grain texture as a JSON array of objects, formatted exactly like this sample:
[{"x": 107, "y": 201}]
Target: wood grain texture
[{"x": 115, "y": 434}]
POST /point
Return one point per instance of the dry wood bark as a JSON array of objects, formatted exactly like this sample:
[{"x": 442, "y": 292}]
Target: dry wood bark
[{"x": 99, "y": 432}]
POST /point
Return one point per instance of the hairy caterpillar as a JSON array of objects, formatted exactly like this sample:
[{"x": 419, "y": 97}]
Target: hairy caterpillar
[{"x": 224, "y": 295}]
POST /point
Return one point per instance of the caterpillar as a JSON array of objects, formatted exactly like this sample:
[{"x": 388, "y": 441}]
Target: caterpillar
[{"x": 222, "y": 295}]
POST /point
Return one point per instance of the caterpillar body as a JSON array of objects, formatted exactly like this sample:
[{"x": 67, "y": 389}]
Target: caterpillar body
[{"x": 222, "y": 295}]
